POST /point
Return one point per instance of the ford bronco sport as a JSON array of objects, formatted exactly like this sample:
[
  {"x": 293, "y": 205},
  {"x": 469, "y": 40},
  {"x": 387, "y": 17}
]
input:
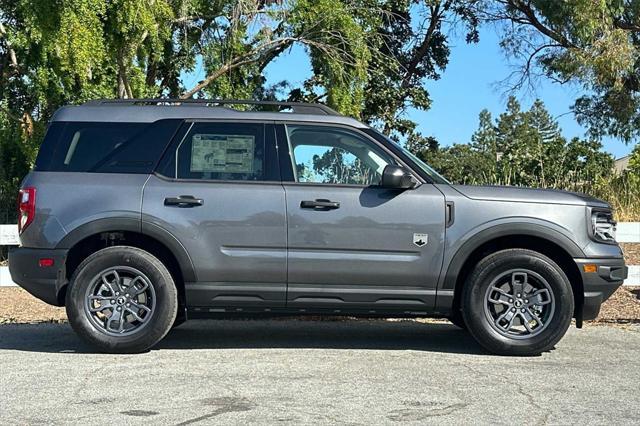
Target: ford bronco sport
[{"x": 140, "y": 214}]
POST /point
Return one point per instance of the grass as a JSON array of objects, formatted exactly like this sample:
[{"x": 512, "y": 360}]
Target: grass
[{"x": 622, "y": 191}]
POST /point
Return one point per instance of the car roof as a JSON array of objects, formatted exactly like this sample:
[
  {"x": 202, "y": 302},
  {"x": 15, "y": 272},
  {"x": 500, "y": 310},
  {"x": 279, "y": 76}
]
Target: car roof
[{"x": 151, "y": 110}]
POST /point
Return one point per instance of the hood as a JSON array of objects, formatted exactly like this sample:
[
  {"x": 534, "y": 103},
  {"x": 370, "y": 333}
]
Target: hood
[{"x": 528, "y": 195}]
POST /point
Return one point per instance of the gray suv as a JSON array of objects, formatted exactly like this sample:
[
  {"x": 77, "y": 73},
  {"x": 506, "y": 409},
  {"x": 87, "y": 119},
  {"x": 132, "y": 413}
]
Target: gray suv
[{"x": 140, "y": 214}]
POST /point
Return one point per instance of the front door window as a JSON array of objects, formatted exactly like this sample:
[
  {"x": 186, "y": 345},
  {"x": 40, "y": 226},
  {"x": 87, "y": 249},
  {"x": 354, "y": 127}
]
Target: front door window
[{"x": 335, "y": 156}]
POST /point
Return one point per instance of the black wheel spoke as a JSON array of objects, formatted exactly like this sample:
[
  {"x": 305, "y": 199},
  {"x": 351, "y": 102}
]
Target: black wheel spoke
[
  {"x": 518, "y": 281},
  {"x": 115, "y": 322},
  {"x": 505, "y": 321},
  {"x": 519, "y": 303},
  {"x": 120, "y": 301}
]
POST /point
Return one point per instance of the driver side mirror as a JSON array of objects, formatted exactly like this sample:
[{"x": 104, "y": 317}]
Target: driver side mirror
[{"x": 397, "y": 177}]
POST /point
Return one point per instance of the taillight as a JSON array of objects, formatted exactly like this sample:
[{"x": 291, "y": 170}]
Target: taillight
[{"x": 26, "y": 207}]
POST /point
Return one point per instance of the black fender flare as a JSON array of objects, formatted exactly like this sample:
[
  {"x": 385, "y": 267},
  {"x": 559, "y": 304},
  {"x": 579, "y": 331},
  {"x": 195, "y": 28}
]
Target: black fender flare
[
  {"x": 131, "y": 224},
  {"x": 448, "y": 280}
]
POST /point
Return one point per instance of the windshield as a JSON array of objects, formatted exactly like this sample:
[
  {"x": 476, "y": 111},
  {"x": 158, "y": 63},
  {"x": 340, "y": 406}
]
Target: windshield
[
  {"x": 437, "y": 177},
  {"x": 424, "y": 167}
]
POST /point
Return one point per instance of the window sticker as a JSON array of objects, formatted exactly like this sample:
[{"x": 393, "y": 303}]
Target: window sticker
[{"x": 222, "y": 153}]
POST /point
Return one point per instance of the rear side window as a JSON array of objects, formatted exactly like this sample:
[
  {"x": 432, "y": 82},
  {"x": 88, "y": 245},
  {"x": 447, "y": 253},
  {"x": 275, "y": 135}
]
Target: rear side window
[
  {"x": 104, "y": 147},
  {"x": 222, "y": 151}
]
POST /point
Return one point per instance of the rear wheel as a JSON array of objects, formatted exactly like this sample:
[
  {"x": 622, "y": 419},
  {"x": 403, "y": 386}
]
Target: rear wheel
[
  {"x": 122, "y": 300},
  {"x": 517, "y": 302}
]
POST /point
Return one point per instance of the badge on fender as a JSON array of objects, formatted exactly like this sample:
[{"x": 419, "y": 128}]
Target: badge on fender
[{"x": 420, "y": 239}]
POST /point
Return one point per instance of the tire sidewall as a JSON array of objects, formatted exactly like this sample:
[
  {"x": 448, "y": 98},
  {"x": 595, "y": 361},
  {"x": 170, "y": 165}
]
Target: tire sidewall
[
  {"x": 161, "y": 318},
  {"x": 497, "y": 264}
]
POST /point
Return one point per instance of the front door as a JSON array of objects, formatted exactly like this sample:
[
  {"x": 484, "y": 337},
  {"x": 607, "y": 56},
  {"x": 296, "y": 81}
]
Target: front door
[
  {"x": 218, "y": 192},
  {"x": 351, "y": 243}
]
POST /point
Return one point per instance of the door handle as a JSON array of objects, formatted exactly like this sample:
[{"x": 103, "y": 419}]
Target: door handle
[
  {"x": 321, "y": 204},
  {"x": 183, "y": 201}
]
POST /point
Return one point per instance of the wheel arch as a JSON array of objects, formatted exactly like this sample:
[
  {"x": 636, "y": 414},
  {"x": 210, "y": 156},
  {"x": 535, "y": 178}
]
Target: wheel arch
[
  {"x": 90, "y": 237},
  {"x": 547, "y": 241}
]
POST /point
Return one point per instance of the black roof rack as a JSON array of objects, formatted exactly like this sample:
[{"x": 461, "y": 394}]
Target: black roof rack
[{"x": 296, "y": 107}]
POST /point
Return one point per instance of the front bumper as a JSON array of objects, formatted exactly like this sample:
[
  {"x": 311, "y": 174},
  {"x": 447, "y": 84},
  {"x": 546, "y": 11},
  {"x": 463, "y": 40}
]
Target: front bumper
[
  {"x": 599, "y": 285},
  {"x": 44, "y": 283}
]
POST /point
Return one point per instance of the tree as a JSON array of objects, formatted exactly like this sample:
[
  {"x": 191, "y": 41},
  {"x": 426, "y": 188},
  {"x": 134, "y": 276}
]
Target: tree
[
  {"x": 408, "y": 44},
  {"x": 460, "y": 163},
  {"x": 55, "y": 52},
  {"x": 369, "y": 58},
  {"x": 243, "y": 40},
  {"x": 417, "y": 40},
  {"x": 592, "y": 43},
  {"x": 485, "y": 141},
  {"x": 634, "y": 161},
  {"x": 521, "y": 148}
]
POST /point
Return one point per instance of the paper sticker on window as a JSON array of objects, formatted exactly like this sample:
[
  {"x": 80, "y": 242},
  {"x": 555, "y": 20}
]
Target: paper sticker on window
[{"x": 222, "y": 153}]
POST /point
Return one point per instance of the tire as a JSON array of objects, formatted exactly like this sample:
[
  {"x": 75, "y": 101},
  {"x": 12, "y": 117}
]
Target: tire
[
  {"x": 122, "y": 300},
  {"x": 506, "y": 324}
]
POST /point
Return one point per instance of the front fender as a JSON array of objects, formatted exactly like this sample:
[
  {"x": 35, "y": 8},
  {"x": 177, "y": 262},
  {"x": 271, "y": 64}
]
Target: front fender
[{"x": 463, "y": 247}]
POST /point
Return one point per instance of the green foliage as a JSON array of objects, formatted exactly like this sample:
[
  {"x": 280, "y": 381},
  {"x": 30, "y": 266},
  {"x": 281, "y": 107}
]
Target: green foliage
[
  {"x": 523, "y": 148},
  {"x": 410, "y": 45},
  {"x": 634, "y": 160},
  {"x": 527, "y": 148},
  {"x": 342, "y": 73},
  {"x": 339, "y": 166},
  {"x": 57, "y": 52},
  {"x": 622, "y": 192},
  {"x": 14, "y": 164},
  {"x": 370, "y": 59},
  {"x": 594, "y": 43}
]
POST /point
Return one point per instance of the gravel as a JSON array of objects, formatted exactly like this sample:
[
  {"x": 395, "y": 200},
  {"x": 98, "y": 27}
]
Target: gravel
[
  {"x": 631, "y": 253},
  {"x": 18, "y": 306}
]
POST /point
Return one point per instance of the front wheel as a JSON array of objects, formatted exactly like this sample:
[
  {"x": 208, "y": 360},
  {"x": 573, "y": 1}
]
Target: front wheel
[
  {"x": 517, "y": 302},
  {"x": 122, "y": 300}
]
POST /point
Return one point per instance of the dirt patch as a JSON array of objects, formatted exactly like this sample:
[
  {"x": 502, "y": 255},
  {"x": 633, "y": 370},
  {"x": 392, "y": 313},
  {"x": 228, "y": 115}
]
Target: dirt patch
[
  {"x": 622, "y": 308},
  {"x": 631, "y": 253},
  {"x": 18, "y": 306}
]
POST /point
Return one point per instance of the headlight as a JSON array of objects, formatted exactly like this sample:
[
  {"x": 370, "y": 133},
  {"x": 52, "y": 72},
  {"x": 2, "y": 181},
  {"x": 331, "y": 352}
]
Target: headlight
[{"x": 603, "y": 227}]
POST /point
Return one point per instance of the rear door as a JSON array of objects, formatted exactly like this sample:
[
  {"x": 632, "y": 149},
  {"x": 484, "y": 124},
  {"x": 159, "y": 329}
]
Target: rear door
[
  {"x": 218, "y": 192},
  {"x": 351, "y": 243}
]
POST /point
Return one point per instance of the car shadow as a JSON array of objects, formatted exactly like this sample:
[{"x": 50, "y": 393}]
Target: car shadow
[{"x": 264, "y": 334}]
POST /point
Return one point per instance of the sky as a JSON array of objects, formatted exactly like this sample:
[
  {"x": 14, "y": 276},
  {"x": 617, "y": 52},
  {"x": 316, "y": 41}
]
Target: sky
[{"x": 469, "y": 84}]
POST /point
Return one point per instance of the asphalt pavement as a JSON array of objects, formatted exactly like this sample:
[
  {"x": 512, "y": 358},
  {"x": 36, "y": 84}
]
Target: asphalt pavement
[{"x": 317, "y": 372}]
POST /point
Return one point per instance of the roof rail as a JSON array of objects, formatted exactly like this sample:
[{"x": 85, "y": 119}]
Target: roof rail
[{"x": 296, "y": 107}]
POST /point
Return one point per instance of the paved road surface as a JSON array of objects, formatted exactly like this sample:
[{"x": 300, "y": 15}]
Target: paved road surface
[{"x": 288, "y": 371}]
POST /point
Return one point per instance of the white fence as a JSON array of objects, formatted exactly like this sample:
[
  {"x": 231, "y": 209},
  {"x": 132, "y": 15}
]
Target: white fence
[
  {"x": 9, "y": 235},
  {"x": 627, "y": 232}
]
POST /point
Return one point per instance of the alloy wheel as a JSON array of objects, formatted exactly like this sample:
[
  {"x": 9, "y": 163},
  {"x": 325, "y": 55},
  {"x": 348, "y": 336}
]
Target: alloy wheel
[
  {"x": 120, "y": 301},
  {"x": 519, "y": 304}
]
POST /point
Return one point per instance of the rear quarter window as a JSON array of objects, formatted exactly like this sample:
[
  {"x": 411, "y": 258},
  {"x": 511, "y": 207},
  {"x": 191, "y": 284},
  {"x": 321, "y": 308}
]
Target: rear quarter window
[{"x": 104, "y": 147}]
